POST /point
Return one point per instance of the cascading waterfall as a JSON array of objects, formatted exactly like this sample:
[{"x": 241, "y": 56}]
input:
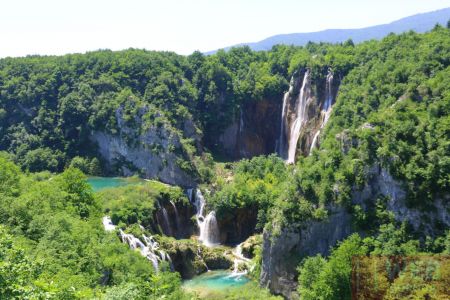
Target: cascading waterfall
[
  {"x": 281, "y": 139},
  {"x": 209, "y": 229},
  {"x": 149, "y": 249},
  {"x": 177, "y": 217},
  {"x": 239, "y": 259},
  {"x": 209, "y": 233},
  {"x": 300, "y": 118},
  {"x": 162, "y": 217},
  {"x": 166, "y": 221},
  {"x": 326, "y": 109},
  {"x": 107, "y": 224},
  {"x": 314, "y": 142},
  {"x": 190, "y": 194}
]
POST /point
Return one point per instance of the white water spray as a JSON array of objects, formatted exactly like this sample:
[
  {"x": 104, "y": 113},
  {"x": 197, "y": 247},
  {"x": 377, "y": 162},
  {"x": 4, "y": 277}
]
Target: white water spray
[
  {"x": 281, "y": 139},
  {"x": 149, "y": 248},
  {"x": 107, "y": 224},
  {"x": 209, "y": 229},
  {"x": 326, "y": 109},
  {"x": 300, "y": 118},
  {"x": 240, "y": 259}
]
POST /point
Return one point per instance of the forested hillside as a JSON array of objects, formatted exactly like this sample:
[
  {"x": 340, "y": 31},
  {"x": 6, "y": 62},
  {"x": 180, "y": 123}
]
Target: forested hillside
[{"x": 373, "y": 181}]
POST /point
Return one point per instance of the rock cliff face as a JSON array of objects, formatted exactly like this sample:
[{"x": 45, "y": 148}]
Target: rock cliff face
[
  {"x": 254, "y": 131},
  {"x": 236, "y": 227},
  {"x": 153, "y": 152},
  {"x": 174, "y": 220},
  {"x": 281, "y": 253}
]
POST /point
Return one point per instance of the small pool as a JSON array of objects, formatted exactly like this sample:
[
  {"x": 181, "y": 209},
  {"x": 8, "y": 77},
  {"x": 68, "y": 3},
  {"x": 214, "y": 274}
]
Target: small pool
[
  {"x": 100, "y": 183},
  {"x": 214, "y": 281}
]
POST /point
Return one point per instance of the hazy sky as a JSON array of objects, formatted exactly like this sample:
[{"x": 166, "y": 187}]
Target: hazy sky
[{"x": 67, "y": 26}]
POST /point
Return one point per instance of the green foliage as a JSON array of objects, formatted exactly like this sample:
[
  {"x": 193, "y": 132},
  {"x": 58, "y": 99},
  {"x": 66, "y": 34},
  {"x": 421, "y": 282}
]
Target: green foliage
[
  {"x": 91, "y": 167},
  {"x": 18, "y": 274},
  {"x": 9, "y": 177},
  {"x": 257, "y": 183},
  {"x": 64, "y": 252},
  {"x": 136, "y": 204}
]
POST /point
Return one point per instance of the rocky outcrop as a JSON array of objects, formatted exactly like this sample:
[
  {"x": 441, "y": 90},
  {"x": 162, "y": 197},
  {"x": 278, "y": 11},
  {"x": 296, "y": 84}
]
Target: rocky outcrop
[
  {"x": 249, "y": 245},
  {"x": 190, "y": 258},
  {"x": 282, "y": 252},
  {"x": 175, "y": 219},
  {"x": 423, "y": 221},
  {"x": 150, "y": 152}
]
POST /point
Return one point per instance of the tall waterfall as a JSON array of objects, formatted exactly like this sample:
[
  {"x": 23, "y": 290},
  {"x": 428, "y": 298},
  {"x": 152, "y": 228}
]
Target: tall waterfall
[
  {"x": 162, "y": 217},
  {"x": 326, "y": 108},
  {"x": 209, "y": 229},
  {"x": 177, "y": 218},
  {"x": 300, "y": 118},
  {"x": 281, "y": 140}
]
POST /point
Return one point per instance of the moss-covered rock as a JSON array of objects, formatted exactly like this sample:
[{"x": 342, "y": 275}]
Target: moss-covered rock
[
  {"x": 190, "y": 258},
  {"x": 249, "y": 246}
]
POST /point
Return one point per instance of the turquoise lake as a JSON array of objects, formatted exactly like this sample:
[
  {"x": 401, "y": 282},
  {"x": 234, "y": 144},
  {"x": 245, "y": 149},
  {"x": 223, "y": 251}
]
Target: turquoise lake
[
  {"x": 100, "y": 183},
  {"x": 214, "y": 281}
]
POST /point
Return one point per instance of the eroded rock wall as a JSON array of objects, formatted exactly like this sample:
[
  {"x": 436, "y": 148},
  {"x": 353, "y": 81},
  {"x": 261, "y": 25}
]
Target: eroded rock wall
[
  {"x": 281, "y": 252},
  {"x": 150, "y": 152}
]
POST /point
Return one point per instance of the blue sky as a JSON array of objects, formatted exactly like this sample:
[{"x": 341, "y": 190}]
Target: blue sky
[{"x": 68, "y": 26}]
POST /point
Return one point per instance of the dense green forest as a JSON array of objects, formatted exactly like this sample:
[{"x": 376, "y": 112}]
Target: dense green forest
[{"x": 391, "y": 113}]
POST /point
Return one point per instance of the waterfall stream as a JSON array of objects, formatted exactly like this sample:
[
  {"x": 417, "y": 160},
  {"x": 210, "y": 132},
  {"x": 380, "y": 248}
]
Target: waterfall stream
[
  {"x": 294, "y": 117},
  {"x": 300, "y": 118},
  {"x": 209, "y": 229},
  {"x": 281, "y": 141},
  {"x": 166, "y": 221},
  {"x": 239, "y": 259},
  {"x": 107, "y": 224},
  {"x": 177, "y": 218},
  {"x": 326, "y": 109},
  {"x": 149, "y": 248}
]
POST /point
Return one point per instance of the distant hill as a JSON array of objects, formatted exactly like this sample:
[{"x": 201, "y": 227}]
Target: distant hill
[{"x": 419, "y": 23}]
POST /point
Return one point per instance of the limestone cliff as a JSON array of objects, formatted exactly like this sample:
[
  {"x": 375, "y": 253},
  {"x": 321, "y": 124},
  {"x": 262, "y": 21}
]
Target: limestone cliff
[
  {"x": 153, "y": 151},
  {"x": 254, "y": 131},
  {"x": 281, "y": 252}
]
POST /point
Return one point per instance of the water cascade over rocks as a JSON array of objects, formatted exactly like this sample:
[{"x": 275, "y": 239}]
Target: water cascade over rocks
[
  {"x": 107, "y": 224},
  {"x": 300, "y": 118},
  {"x": 166, "y": 221},
  {"x": 326, "y": 109},
  {"x": 149, "y": 248},
  {"x": 240, "y": 259},
  {"x": 177, "y": 216},
  {"x": 208, "y": 227},
  {"x": 281, "y": 141},
  {"x": 305, "y": 111}
]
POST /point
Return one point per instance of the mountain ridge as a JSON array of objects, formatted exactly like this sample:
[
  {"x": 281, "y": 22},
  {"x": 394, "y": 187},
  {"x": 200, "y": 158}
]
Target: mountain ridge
[{"x": 419, "y": 22}]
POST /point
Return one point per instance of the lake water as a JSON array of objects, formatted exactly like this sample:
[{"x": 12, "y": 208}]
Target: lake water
[
  {"x": 100, "y": 183},
  {"x": 214, "y": 282}
]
